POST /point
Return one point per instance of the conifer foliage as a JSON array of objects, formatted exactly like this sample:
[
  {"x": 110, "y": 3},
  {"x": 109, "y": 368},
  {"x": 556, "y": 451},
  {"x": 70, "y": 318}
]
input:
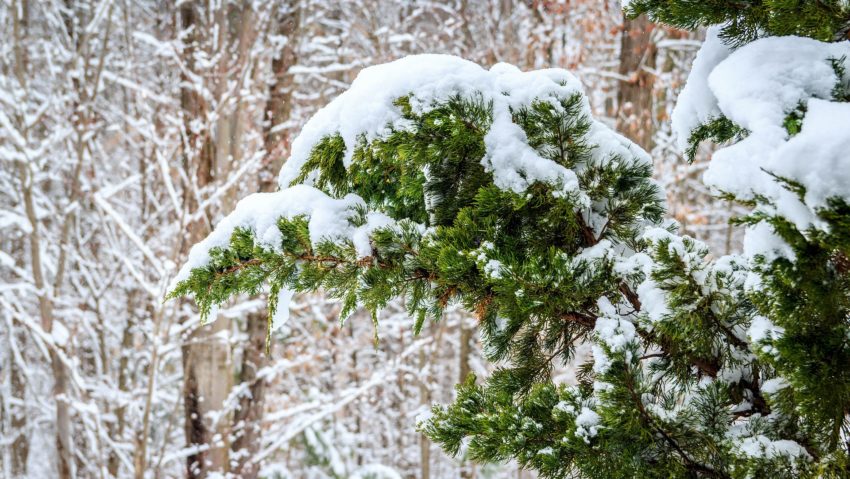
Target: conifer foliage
[
  {"x": 436, "y": 181},
  {"x": 744, "y": 21}
]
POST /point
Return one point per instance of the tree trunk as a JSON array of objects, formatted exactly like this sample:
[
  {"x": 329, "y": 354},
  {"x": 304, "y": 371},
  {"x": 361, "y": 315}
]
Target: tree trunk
[
  {"x": 15, "y": 421},
  {"x": 248, "y": 417},
  {"x": 116, "y": 428},
  {"x": 64, "y": 453},
  {"x": 18, "y": 418},
  {"x": 279, "y": 106},
  {"x": 634, "y": 95},
  {"x": 425, "y": 401},
  {"x": 207, "y": 373},
  {"x": 465, "y": 330},
  {"x": 206, "y": 354},
  {"x": 63, "y": 417}
]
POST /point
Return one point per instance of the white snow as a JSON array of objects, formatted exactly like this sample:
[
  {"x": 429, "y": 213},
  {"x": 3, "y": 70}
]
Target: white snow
[
  {"x": 760, "y": 83},
  {"x": 615, "y": 332},
  {"x": 281, "y": 313},
  {"x": 761, "y": 332},
  {"x": 757, "y": 87},
  {"x": 10, "y": 219},
  {"x": 696, "y": 103},
  {"x": 366, "y": 109},
  {"x": 546, "y": 451},
  {"x": 361, "y": 235},
  {"x": 328, "y": 220},
  {"x": 762, "y": 328},
  {"x": 375, "y": 471},
  {"x": 773, "y": 386},
  {"x": 602, "y": 249},
  {"x": 601, "y": 360},
  {"x": 565, "y": 407},
  {"x": 817, "y": 157},
  {"x": 493, "y": 269},
  {"x": 653, "y": 300},
  {"x": 761, "y": 239},
  {"x": 760, "y": 446},
  {"x": 729, "y": 273},
  {"x": 6, "y": 260},
  {"x": 60, "y": 333},
  {"x": 638, "y": 262},
  {"x": 587, "y": 424}
]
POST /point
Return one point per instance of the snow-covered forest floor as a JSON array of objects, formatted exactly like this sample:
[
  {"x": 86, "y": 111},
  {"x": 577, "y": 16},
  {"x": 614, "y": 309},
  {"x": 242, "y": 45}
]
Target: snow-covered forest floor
[{"x": 128, "y": 129}]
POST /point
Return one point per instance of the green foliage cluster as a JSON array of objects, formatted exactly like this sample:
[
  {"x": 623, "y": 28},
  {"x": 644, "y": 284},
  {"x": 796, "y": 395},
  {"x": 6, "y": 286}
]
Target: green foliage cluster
[
  {"x": 807, "y": 294},
  {"x": 803, "y": 294},
  {"x": 718, "y": 130},
  {"x": 497, "y": 252},
  {"x": 745, "y": 20}
]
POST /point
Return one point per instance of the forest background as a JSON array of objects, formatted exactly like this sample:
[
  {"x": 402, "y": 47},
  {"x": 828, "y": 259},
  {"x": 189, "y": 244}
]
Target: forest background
[{"x": 127, "y": 130}]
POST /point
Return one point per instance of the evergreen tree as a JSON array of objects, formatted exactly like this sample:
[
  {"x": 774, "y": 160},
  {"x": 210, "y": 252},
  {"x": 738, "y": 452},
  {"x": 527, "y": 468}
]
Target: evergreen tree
[{"x": 439, "y": 182}]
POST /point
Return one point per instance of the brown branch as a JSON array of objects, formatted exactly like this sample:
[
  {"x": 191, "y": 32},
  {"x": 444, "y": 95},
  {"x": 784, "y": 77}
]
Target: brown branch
[
  {"x": 586, "y": 320},
  {"x": 708, "y": 367},
  {"x": 689, "y": 462},
  {"x": 238, "y": 267},
  {"x": 586, "y": 231}
]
